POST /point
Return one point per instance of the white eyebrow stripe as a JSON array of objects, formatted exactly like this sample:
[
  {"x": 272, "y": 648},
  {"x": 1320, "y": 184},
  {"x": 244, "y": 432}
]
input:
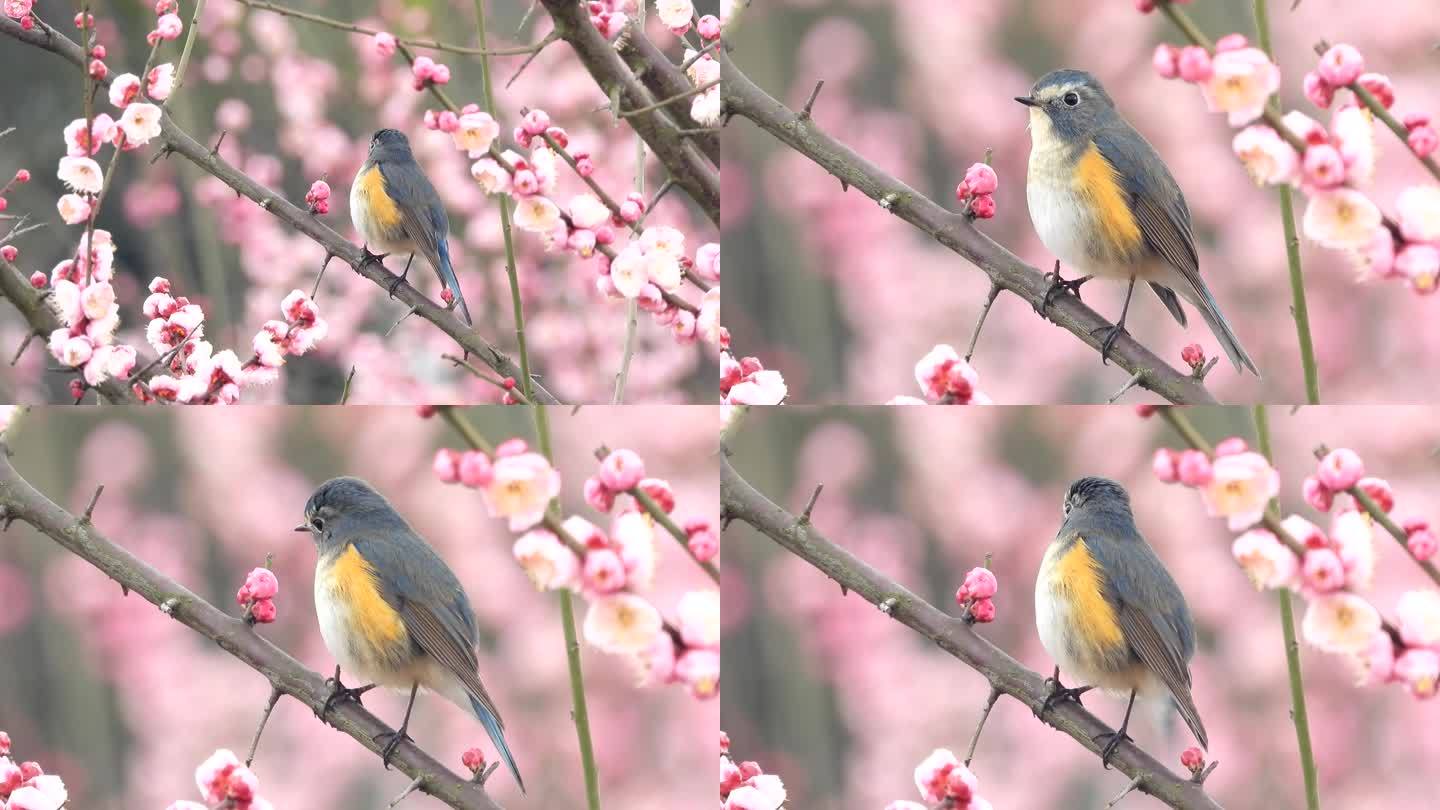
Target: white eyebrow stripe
[{"x": 1048, "y": 93}]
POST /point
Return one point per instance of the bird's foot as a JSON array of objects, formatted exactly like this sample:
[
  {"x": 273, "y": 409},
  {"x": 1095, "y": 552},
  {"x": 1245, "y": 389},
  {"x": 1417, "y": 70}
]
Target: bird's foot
[
  {"x": 366, "y": 256},
  {"x": 1113, "y": 740},
  {"x": 1057, "y": 286},
  {"x": 339, "y": 692},
  {"x": 400, "y": 279},
  {"x": 1059, "y": 694},
  {"x": 1112, "y": 334},
  {"x": 396, "y": 737}
]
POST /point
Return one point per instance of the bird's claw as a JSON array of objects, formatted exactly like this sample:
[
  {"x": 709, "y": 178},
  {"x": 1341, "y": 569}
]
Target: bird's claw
[
  {"x": 366, "y": 256},
  {"x": 1114, "y": 739},
  {"x": 1059, "y": 694},
  {"x": 1113, "y": 334},
  {"x": 396, "y": 737},
  {"x": 1057, "y": 285},
  {"x": 339, "y": 692}
]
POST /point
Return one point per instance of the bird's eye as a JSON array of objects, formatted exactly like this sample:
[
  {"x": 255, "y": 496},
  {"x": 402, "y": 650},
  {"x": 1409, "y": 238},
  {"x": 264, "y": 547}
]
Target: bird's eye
[
  {"x": 1071, "y": 99},
  {"x": 318, "y": 523}
]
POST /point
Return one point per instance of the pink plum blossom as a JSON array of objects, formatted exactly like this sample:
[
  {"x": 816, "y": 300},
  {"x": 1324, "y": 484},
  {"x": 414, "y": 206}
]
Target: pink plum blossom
[
  {"x": 1240, "y": 83},
  {"x": 521, "y": 489}
]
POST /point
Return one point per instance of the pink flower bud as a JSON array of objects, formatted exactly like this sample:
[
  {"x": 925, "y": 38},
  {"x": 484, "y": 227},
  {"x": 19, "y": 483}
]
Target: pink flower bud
[
  {"x": 1379, "y": 491},
  {"x": 983, "y": 611},
  {"x": 660, "y": 492},
  {"x": 630, "y": 211},
  {"x": 980, "y": 583},
  {"x": 981, "y": 179},
  {"x": 473, "y": 759},
  {"x": 1193, "y": 356},
  {"x": 1145, "y": 7},
  {"x": 9, "y": 252},
  {"x": 584, "y": 165},
  {"x": 1194, "y": 469},
  {"x": 1145, "y": 411},
  {"x": 1323, "y": 570},
  {"x": 475, "y": 469},
  {"x": 621, "y": 470},
  {"x": 5, "y": 744},
  {"x": 1423, "y": 140},
  {"x": 1166, "y": 61},
  {"x": 22, "y": 176},
  {"x": 1319, "y": 496},
  {"x": 1341, "y": 65},
  {"x": 1194, "y": 64},
  {"x": 98, "y": 71},
  {"x": 262, "y": 584},
  {"x": 1323, "y": 166},
  {"x": 598, "y": 496},
  {"x": 431, "y": 120},
  {"x": 1422, "y": 544},
  {"x": 1320, "y": 92},
  {"x": 385, "y": 44},
  {"x": 1193, "y": 759},
  {"x": 1230, "y": 42},
  {"x": 447, "y": 121},
  {"x": 30, "y": 769},
  {"x": 1164, "y": 465},
  {"x": 423, "y": 68},
  {"x": 704, "y": 544},
  {"x": 604, "y": 572},
  {"x": 1379, "y": 86},
  {"x": 447, "y": 465},
  {"x": 708, "y": 27},
  {"x": 525, "y": 183},
  {"x": 983, "y": 206},
  {"x": 263, "y": 611},
  {"x": 535, "y": 122},
  {"x": 1340, "y": 469},
  {"x": 38, "y": 280},
  {"x": 440, "y": 74},
  {"x": 511, "y": 447}
]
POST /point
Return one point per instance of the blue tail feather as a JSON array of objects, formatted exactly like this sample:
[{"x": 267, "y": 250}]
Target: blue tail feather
[
  {"x": 497, "y": 736},
  {"x": 447, "y": 276}
]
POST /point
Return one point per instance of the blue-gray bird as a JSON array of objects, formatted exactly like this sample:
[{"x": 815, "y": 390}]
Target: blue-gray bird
[
  {"x": 396, "y": 210},
  {"x": 1103, "y": 202},
  {"x": 1109, "y": 613},
  {"x": 391, "y": 611}
]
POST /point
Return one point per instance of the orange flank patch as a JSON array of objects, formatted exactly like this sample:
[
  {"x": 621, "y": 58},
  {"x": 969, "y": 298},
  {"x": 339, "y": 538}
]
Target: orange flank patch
[
  {"x": 1080, "y": 584},
  {"x": 1099, "y": 183},
  {"x": 378, "y": 205},
  {"x": 353, "y": 583}
]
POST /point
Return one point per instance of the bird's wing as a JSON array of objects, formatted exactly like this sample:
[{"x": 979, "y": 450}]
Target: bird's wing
[
  {"x": 421, "y": 214},
  {"x": 1155, "y": 199},
  {"x": 438, "y": 637}
]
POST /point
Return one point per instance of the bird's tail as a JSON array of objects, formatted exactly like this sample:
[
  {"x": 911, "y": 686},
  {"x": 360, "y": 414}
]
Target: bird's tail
[
  {"x": 1185, "y": 705},
  {"x": 1210, "y": 311},
  {"x": 448, "y": 278},
  {"x": 497, "y": 736}
]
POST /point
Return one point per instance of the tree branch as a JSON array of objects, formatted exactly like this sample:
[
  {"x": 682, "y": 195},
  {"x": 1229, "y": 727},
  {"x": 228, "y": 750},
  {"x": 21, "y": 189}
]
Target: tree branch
[
  {"x": 739, "y": 500},
  {"x": 663, "y": 79},
  {"x": 20, "y": 501},
  {"x": 689, "y": 168},
  {"x": 744, "y": 98},
  {"x": 177, "y": 141}
]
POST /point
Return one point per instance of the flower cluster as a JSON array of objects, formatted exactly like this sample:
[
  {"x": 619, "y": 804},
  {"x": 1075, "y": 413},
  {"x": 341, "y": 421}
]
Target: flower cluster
[
  {"x": 610, "y": 569},
  {"x": 610, "y": 16},
  {"x": 748, "y": 382},
  {"x": 21, "y": 176},
  {"x": 977, "y": 190},
  {"x": 25, "y": 785},
  {"x": 428, "y": 72},
  {"x": 19, "y": 10},
  {"x": 168, "y": 24},
  {"x": 84, "y": 300},
  {"x": 945, "y": 379},
  {"x": 705, "y": 70},
  {"x": 1334, "y": 163},
  {"x": 1237, "y": 484},
  {"x": 225, "y": 782},
  {"x": 746, "y": 786},
  {"x": 944, "y": 782},
  {"x": 200, "y": 375},
  {"x": 257, "y": 596},
  {"x": 976, "y": 595}
]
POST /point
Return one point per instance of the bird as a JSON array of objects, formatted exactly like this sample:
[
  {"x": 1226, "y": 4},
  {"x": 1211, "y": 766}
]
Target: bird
[
  {"x": 1103, "y": 202},
  {"x": 391, "y": 611},
  {"x": 1108, "y": 612},
  {"x": 395, "y": 209}
]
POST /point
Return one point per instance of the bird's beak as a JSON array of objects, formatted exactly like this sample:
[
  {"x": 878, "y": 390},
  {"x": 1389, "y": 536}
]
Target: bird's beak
[
  {"x": 302, "y": 528},
  {"x": 1028, "y": 101}
]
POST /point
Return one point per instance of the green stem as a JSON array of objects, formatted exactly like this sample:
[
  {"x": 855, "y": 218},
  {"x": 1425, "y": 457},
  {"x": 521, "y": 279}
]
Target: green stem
[
  {"x": 572, "y": 641},
  {"x": 669, "y": 525},
  {"x": 510, "y": 268},
  {"x": 184, "y": 53},
  {"x": 1292, "y": 646},
  {"x": 1292, "y": 241}
]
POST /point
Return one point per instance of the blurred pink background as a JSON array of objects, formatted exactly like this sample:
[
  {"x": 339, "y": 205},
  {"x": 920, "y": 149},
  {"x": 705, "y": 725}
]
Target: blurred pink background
[
  {"x": 843, "y": 703},
  {"x": 124, "y": 703},
  {"x": 843, "y": 298}
]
